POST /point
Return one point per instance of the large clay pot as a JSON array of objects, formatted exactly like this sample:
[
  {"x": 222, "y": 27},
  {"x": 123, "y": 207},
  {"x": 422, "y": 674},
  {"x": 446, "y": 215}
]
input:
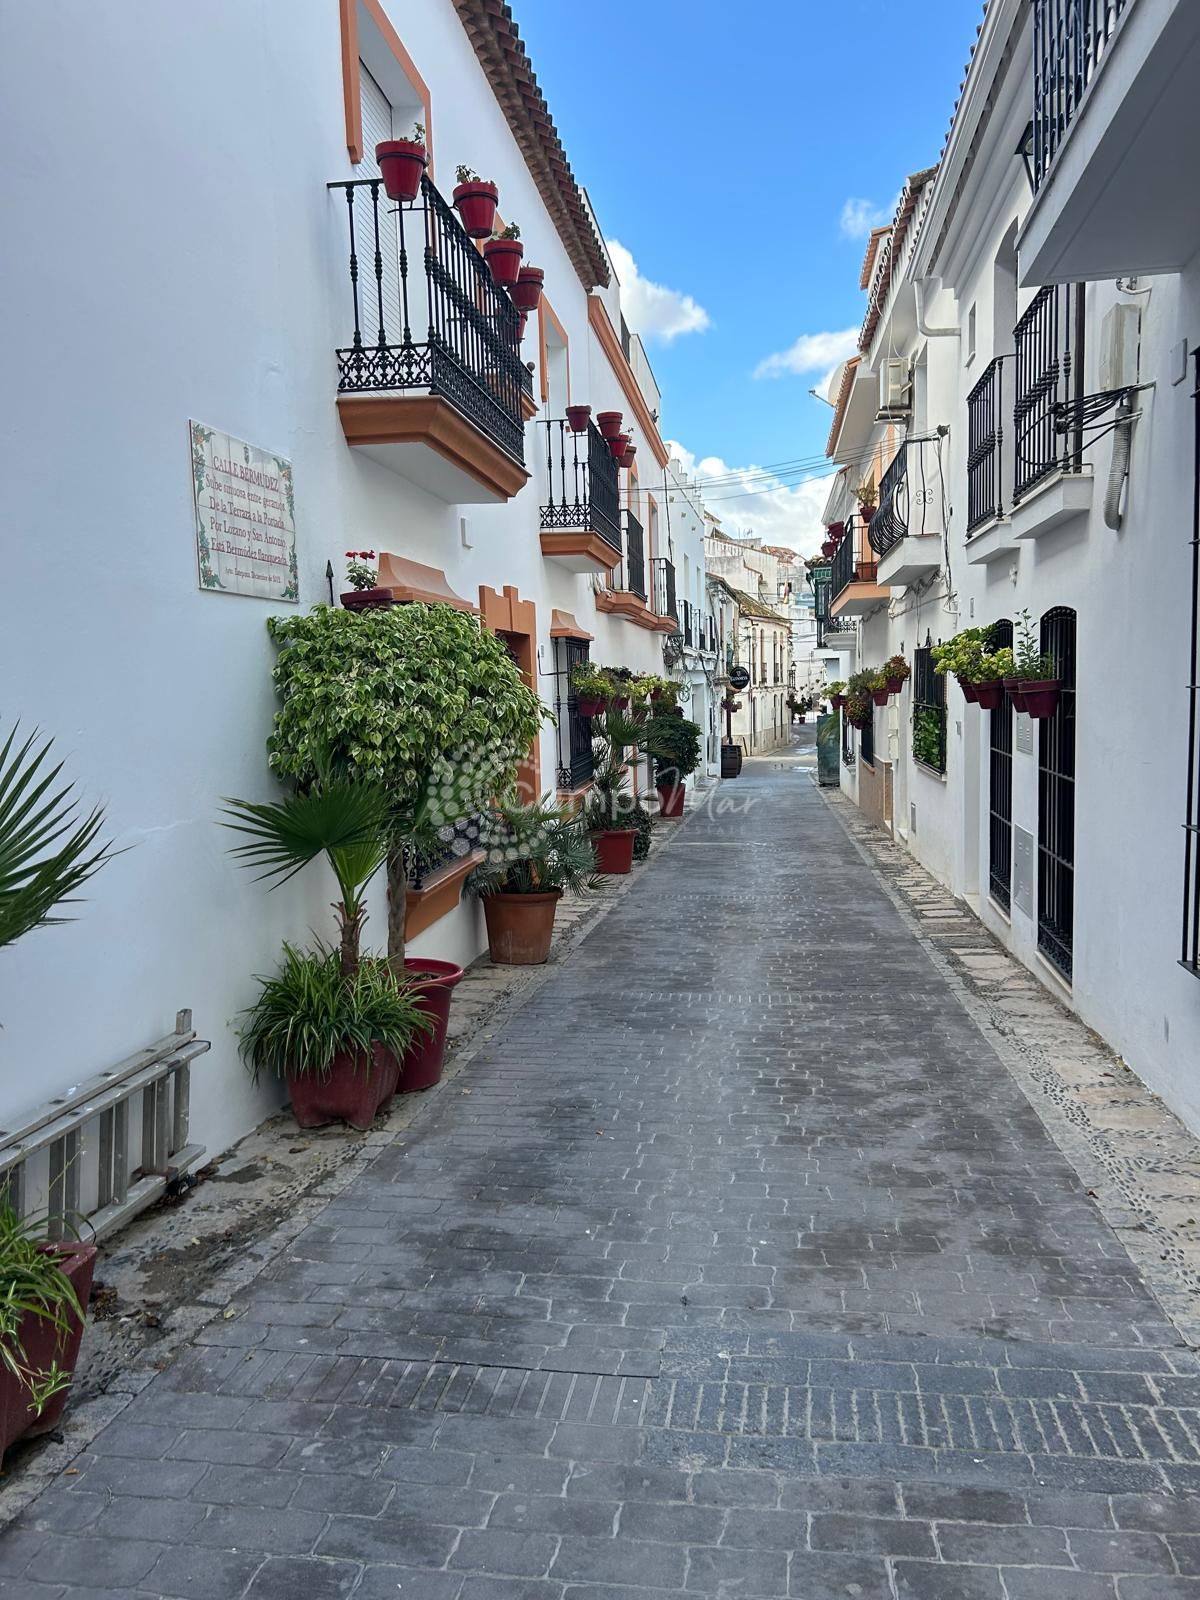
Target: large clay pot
[
  {"x": 670, "y": 799},
  {"x": 614, "y": 850},
  {"x": 520, "y": 927},
  {"x": 40, "y": 1341},
  {"x": 577, "y": 418},
  {"x": 527, "y": 291},
  {"x": 434, "y": 983},
  {"x": 354, "y": 1090}
]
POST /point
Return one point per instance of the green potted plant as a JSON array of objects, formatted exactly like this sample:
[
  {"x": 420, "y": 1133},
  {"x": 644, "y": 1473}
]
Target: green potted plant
[
  {"x": 858, "y": 708},
  {"x": 423, "y": 700},
  {"x": 402, "y": 164},
  {"x": 868, "y": 500},
  {"x": 988, "y": 677},
  {"x": 48, "y": 851},
  {"x": 535, "y": 854},
  {"x": 877, "y": 686},
  {"x": 674, "y": 744},
  {"x": 896, "y": 672},
  {"x": 621, "y": 681},
  {"x": 361, "y": 575},
  {"x": 593, "y": 688},
  {"x": 837, "y": 693},
  {"x": 961, "y": 655},
  {"x": 1036, "y": 685},
  {"x": 335, "y": 1029},
  {"x": 503, "y": 252},
  {"x": 608, "y": 814},
  {"x": 475, "y": 199}
]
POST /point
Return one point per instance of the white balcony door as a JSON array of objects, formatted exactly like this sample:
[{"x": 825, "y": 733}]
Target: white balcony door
[{"x": 377, "y": 125}]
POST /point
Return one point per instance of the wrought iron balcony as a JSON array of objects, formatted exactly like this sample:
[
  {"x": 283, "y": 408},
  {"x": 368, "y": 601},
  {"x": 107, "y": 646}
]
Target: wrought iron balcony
[
  {"x": 687, "y": 623},
  {"x": 428, "y": 317},
  {"x": 985, "y": 446},
  {"x": 1071, "y": 39},
  {"x": 911, "y": 496},
  {"x": 1048, "y": 374},
  {"x": 634, "y": 565},
  {"x": 664, "y": 587},
  {"x": 581, "y": 517}
]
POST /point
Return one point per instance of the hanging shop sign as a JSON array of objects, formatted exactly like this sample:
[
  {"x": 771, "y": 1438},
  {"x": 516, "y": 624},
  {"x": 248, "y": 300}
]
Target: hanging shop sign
[
  {"x": 739, "y": 677},
  {"x": 245, "y": 518}
]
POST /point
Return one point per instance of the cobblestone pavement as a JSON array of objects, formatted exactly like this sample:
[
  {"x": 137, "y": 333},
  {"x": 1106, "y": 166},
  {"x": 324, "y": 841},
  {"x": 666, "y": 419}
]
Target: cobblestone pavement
[{"x": 737, "y": 1265}]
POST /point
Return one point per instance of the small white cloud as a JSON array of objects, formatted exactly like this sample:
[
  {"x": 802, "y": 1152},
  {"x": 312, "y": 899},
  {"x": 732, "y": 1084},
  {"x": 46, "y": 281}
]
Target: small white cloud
[
  {"x": 860, "y": 216},
  {"x": 651, "y": 309},
  {"x": 750, "y": 502},
  {"x": 812, "y": 352}
]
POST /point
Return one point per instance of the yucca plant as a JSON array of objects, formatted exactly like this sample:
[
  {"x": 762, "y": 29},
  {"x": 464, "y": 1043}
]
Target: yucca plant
[
  {"x": 32, "y": 1286},
  {"x": 47, "y": 852},
  {"x": 344, "y": 819},
  {"x": 312, "y": 1010}
]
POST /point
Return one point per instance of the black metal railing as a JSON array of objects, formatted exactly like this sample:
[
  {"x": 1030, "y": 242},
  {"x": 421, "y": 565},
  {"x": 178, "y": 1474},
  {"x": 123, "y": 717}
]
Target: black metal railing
[
  {"x": 1000, "y": 784},
  {"x": 1070, "y": 40},
  {"x": 853, "y": 561},
  {"x": 985, "y": 446},
  {"x": 928, "y": 712},
  {"x": 575, "y": 761},
  {"x": 1056, "y": 799},
  {"x": 1048, "y": 373},
  {"x": 428, "y": 314},
  {"x": 911, "y": 496},
  {"x": 633, "y": 569},
  {"x": 664, "y": 587},
  {"x": 583, "y": 482},
  {"x": 686, "y": 623}
]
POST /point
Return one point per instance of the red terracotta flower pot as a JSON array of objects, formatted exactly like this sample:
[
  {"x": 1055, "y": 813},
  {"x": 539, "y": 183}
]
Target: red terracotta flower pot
[
  {"x": 476, "y": 203},
  {"x": 40, "y": 1341},
  {"x": 353, "y": 1090},
  {"x": 859, "y": 722},
  {"x": 617, "y": 445},
  {"x": 520, "y": 927},
  {"x": 402, "y": 164},
  {"x": 504, "y": 258},
  {"x": 989, "y": 696},
  {"x": 577, "y": 418},
  {"x": 969, "y": 692},
  {"x": 527, "y": 291},
  {"x": 1015, "y": 693},
  {"x": 614, "y": 850},
  {"x": 827, "y": 549},
  {"x": 590, "y": 705},
  {"x": 867, "y": 512},
  {"x": 880, "y": 696},
  {"x": 1040, "y": 696},
  {"x": 434, "y": 983},
  {"x": 367, "y": 599},
  {"x": 609, "y": 423},
  {"x": 670, "y": 800},
  {"x": 627, "y": 458}
]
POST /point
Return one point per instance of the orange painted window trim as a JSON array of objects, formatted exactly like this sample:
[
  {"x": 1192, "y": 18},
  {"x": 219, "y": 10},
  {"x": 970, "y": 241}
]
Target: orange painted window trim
[
  {"x": 546, "y": 313},
  {"x": 602, "y": 324},
  {"x": 352, "y": 77}
]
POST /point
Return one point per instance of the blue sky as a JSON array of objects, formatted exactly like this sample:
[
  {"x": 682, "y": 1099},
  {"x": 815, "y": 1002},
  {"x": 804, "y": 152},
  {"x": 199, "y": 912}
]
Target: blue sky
[{"x": 739, "y": 154}]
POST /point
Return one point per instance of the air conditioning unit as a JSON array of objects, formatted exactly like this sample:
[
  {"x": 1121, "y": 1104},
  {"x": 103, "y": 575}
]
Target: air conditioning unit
[{"x": 895, "y": 388}]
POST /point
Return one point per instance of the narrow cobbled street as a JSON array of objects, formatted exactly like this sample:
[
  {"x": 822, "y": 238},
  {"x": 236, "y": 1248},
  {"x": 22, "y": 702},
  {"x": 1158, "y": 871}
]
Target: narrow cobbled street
[{"x": 763, "y": 1281}]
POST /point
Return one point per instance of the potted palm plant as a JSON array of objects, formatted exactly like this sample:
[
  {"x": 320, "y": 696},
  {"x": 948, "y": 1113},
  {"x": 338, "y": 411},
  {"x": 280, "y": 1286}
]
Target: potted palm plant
[
  {"x": 593, "y": 689},
  {"x": 674, "y": 744},
  {"x": 475, "y": 199},
  {"x": 48, "y": 851},
  {"x": 535, "y": 854},
  {"x": 334, "y": 1026},
  {"x": 402, "y": 164},
  {"x": 503, "y": 252},
  {"x": 609, "y": 812}
]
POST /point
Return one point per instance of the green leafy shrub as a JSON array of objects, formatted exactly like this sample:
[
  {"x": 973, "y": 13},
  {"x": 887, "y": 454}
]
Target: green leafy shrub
[
  {"x": 643, "y": 821},
  {"x": 674, "y": 744},
  {"x": 928, "y": 740}
]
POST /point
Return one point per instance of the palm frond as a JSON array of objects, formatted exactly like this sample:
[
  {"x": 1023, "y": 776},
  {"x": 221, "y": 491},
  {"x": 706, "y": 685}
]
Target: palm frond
[
  {"x": 344, "y": 817},
  {"x": 46, "y": 852}
]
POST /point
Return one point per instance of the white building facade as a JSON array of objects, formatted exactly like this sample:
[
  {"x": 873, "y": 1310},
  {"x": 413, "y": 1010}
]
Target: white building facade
[
  {"x": 760, "y": 640},
  {"x": 1028, "y": 367},
  {"x": 223, "y": 309}
]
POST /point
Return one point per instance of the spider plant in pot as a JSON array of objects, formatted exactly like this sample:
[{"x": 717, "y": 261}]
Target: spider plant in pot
[
  {"x": 475, "y": 199},
  {"x": 334, "y": 1026},
  {"x": 423, "y": 700},
  {"x": 503, "y": 252},
  {"x": 609, "y": 813},
  {"x": 535, "y": 854},
  {"x": 674, "y": 744},
  {"x": 402, "y": 164}
]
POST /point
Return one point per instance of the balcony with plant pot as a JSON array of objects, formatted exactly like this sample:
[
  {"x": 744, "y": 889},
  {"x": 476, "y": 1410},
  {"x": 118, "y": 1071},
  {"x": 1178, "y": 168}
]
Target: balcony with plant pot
[
  {"x": 908, "y": 529},
  {"x": 581, "y": 514},
  {"x": 854, "y": 587},
  {"x": 626, "y": 593},
  {"x": 430, "y": 377},
  {"x": 666, "y": 606}
]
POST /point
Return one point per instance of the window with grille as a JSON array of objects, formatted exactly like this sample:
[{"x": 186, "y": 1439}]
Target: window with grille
[
  {"x": 1000, "y": 785},
  {"x": 1056, "y": 799},
  {"x": 1190, "y": 956},
  {"x": 847, "y": 741},
  {"x": 574, "y": 731},
  {"x": 929, "y": 712},
  {"x": 866, "y": 739}
]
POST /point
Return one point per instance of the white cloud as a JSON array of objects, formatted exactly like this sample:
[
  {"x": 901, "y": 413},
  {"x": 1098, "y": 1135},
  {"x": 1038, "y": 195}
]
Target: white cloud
[
  {"x": 812, "y": 352},
  {"x": 860, "y": 216},
  {"x": 747, "y": 501},
  {"x": 651, "y": 309}
]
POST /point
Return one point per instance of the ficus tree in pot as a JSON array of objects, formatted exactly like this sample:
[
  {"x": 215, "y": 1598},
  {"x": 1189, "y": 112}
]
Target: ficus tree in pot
[
  {"x": 610, "y": 806},
  {"x": 535, "y": 854},
  {"x": 674, "y": 743}
]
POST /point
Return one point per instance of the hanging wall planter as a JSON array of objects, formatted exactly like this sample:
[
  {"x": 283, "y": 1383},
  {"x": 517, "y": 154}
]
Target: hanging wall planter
[
  {"x": 433, "y": 987},
  {"x": 590, "y": 705},
  {"x": 367, "y": 599},
  {"x": 1015, "y": 693},
  {"x": 527, "y": 291},
  {"x": 402, "y": 164},
  {"x": 577, "y": 418},
  {"x": 475, "y": 200},
  {"x": 827, "y": 549},
  {"x": 969, "y": 692},
  {"x": 880, "y": 696},
  {"x": 617, "y": 445},
  {"x": 838, "y": 701},
  {"x": 609, "y": 423},
  {"x": 504, "y": 258},
  {"x": 1040, "y": 697},
  {"x": 627, "y": 458},
  {"x": 989, "y": 696}
]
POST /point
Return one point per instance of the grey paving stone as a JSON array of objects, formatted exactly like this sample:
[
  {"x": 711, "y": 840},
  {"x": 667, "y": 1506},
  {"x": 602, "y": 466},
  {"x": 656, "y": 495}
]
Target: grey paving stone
[
  {"x": 741, "y": 1572},
  {"x": 923, "y": 1580},
  {"x": 833, "y": 1577},
  {"x": 503, "y": 1551},
  {"x": 282, "y": 1578},
  {"x": 104, "y": 1562},
  {"x": 397, "y": 1583},
  {"x": 206, "y": 1574},
  {"x": 1039, "y": 1583},
  {"x": 1121, "y": 1552},
  {"x": 601, "y": 1560}
]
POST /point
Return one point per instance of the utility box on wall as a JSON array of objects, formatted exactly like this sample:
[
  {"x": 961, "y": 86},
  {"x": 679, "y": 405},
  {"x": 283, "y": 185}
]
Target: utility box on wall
[{"x": 1022, "y": 871}]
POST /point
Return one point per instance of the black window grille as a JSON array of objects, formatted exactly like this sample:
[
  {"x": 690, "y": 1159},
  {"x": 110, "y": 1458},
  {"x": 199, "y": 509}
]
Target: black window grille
[
  {"x": 847, "y": 740},
  {"x": 1190, "y": 956},
  {"x": 634, "y": 570},
  {"x": 574, "y": 731},
  {"x": 929, "y": 712},
  {"x": 866, "y": 739},
  {"x": 1048, "y": 373},
  {"x": 1000, "y": 786},
  {"x": 1056, "y": 799},
  {"x": 985, "y": 446},
  {"x": 1070, "y": 40}
]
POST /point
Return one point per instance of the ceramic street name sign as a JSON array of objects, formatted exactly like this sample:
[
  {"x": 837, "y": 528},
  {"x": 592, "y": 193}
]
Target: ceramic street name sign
[{"x": 245, "y": 518}]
